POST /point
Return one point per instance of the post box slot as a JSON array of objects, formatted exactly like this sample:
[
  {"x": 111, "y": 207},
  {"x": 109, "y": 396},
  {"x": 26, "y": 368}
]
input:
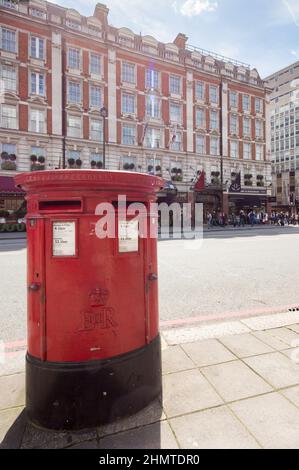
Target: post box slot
[{"x": 61, "y": 206}]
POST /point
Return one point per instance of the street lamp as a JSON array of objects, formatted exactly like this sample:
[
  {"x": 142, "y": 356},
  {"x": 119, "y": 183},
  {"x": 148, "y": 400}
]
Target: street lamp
[{"x": 104, "y": 114}]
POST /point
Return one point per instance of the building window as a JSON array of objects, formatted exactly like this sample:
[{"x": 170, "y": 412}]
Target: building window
[
  {"x": 128, "y": 103},
  {"x": 12, "y": 4},
  {"x": 200, "y": 144},
  {"x": 153, "y": 107},
  {"x": 200, "y": 118},
  {"x": 37, "y": 48},
  {"x": 95, "y": 98},
  {"x": 258, "y": 129},
  {"x": 37, "y": 84},
  {"x": 8, "y": 77},
  {"x": 96, "y": 160},
  {"x": 258, "y": 105},
  {"x": 152, "y": 79},
  {"x": 128, "y": 134},
  {"x": 200, "y": 91},
  {"x": 175, "y": 113},
  {"x": 176, "y": 142},
  {"x": 74, "y": 59},
  {"x": 74, "y": 92},
  {"x": 233, "y": 99},
  {"x": 153, "y": 166},
  {"x": 73, "y": 25},
  {"x": 95, "y": 64},
  {"x": 234, "y": 124},
  {"x": 234, "y": 149},
  {"x": 128, "y": 72},
  {"x": 214, "y": 146},
  {"x": 38, "y": 13},
  {"x": 8, "y": 40},
  {"x": 175, "y": 84},
  {"x": 38, "y": 151},
  {"x": 214, "y": 120},
  {"x": 246, "y": 102},
  {"x": 213, "y": 94},
  {"x": 153, "y": 138},
  {"x": 129, "y": 163},
  {"x": 246, "y": 151},
  {"x": 74, "y": 126},
  {"x": 96, "y": 130},
  {"x": 37, "y": 120},
  {"x": 8, "y": 116},
  {"x": 258, "y": 152},
  {"x": 246, "y": 126}
]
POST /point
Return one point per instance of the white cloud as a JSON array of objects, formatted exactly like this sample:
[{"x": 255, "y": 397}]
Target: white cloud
[{"x": 197, "y": 7}]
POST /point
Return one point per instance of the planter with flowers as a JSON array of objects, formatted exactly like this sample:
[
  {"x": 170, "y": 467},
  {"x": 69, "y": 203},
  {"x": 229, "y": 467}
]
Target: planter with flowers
[
  {"x": 8, "y": 161},
  {"x": 176, "y": 174},
  {"x": 37, "y": 163}
]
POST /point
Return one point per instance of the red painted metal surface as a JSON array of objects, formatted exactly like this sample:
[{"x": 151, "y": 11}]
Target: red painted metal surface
[{"x": 96, "y": 303}]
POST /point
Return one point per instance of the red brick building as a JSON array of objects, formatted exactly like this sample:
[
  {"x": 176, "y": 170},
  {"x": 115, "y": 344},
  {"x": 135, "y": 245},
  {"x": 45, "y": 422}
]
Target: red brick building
[{"x": 172, "y": 108}]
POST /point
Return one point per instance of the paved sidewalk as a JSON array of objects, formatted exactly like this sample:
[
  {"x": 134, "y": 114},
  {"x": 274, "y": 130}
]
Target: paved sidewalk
[{"x": 225, "y": 385}]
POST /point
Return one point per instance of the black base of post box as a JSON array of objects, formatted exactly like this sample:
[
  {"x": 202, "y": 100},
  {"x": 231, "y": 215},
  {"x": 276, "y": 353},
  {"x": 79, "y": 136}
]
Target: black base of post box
[{"x": 77, "y": 396}]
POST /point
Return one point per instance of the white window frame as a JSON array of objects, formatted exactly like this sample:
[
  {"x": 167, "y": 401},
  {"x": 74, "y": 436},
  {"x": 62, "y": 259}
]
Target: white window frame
[
  {"x": 246, "y": 132},
  {"x": 177, "y": 119},
  {"x": 197, "y": 84},
  {"x": 213, "y": 139},
  {"x": 215, "y": 125},
  {"x": 77, "y": 66},
  {"x": 92, "y": 136},
  {"x": 152, "y": 141},
  {"x": 74, "y": 116},
  {"x": 91, "y": 103},
  {"x": 259, "y": 108},
  {"x": 68, "y": 92},
  {"x": 11, "y": 30},
  {"x": 37, "y": 91},
  {"x": 234, "y": 129},
  {"x": 260, "y": 147},
  {"x": 234, "y": 149},
  {"x": 38, "y": 42},
  {"x": 153, "y": 107},
  {"x": 6, "y": 105},
  {"x": 125, "y": 99},
  {"x": 38, "y": 127},
  {"x": 14, "y": 80},
  {"x": 151, "y": 81},
  {"x": 176, "y": 145},
  {"x": 244, "y": 108},
  {"x": 259, "y": 133},
  {"x": 175, "y": 89},
  {"x": 100, "y": 63},
  {"x": 131, "y": 137},
  {"x": 203, "y": 120},
  {"x": 203, "y": 138},
  {"x": 215, "y": 89},
  {"x": 126, "y": 76},
  {"x": 249, "y": 146},
  {"x": 231, "y": 104}
]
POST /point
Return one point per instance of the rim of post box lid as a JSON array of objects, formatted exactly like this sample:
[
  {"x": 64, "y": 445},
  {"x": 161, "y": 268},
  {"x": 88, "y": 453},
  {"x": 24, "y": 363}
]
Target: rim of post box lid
[{"x": 100, "y": 180}]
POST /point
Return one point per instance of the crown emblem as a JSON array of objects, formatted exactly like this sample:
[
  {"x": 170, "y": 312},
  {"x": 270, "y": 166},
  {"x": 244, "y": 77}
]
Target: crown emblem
[{"x": 98, "y": 297}]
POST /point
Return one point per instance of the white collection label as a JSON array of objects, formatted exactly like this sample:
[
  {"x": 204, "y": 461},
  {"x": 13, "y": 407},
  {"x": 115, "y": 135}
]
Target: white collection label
[
  {"x": 128, "y": 236},
  {"x": 64, "y": 239}
]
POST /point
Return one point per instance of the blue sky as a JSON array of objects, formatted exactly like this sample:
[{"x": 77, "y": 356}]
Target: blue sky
[{"x": 263, "y": 33}]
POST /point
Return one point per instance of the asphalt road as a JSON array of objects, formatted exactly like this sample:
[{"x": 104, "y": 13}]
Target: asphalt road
[{"x": 232, "y": 272}]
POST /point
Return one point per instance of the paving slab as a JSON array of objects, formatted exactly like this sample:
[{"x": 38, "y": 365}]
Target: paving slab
[
  {"x": 286, "y": 335},
  {"x": 151, "y": 414},
  {"x": 277, "y": 369},
  {"x": 272, "y": 419},
  {"x": 12, "y": 391},
  {"x": 271, "y": 340},
  {"x": 245, "y": 345},
  {"x": 208, "y": 352},
  {"x": 174, "y": 359},
  {"x": 294, "y": 328},
  {"x": 292, "y": 394},
  {"x": 271, "y": 321},
  {"x": 186, "y": 392},
  {"x": 37, "y": 438},
  {"x": 154, "y": 436},
  {"x": 212, "y": 429},
  {"x": 235, "y": 381},
  {"x": 216, "y": 330}
]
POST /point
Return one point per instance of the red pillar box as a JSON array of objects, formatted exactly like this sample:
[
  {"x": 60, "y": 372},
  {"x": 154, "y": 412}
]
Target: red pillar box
[{"x": 93, "y": 336}]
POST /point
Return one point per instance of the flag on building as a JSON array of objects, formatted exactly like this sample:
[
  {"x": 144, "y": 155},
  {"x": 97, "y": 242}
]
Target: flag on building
[{"x": 201, "y": 182}]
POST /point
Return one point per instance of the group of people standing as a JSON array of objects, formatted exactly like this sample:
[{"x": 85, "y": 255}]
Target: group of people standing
[{"x": 251, "y": 217}]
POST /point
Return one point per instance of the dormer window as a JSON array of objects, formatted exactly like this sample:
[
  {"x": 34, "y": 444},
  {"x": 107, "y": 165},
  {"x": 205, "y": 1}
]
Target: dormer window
[
  {"x": 73, "y": 25},
  {"x": 38, "y": 13},
  {"x": 126, "y": 41},
  {"x": 12, "y": 4}
]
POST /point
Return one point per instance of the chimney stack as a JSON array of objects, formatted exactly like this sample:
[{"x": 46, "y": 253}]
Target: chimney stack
[
  {"x": 181, "y": 41},
  {"x": 101, "y": 13}
]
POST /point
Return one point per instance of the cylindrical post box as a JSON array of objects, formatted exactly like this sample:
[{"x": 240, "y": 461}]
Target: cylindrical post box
[{"x": 93, "y": 333}]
